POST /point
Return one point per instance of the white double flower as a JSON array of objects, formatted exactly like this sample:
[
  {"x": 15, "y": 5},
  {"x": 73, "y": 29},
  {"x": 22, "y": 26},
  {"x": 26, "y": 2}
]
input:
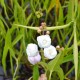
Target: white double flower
[
  {"x": 44, "y": 41},
  {"x": 50, "y": 52},
  {"x": 33, "y": 53}
]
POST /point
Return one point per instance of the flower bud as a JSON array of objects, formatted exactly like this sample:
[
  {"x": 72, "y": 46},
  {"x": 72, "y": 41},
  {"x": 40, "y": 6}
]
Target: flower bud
[
  {"x": 41, "y": 27},
  {"x": 43, "y": 77},
  {"x": 48, "y": 32},
  {"x": 57, "y": 47},
  {"x": 62, "y": 48},
  {"x": 43, "y": 24},
  {"x": 39, "y": 30}
]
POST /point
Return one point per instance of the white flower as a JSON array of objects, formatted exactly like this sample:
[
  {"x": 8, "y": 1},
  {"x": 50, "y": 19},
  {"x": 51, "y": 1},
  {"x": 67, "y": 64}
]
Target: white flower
[
  {"x": 44, "y": 41},
  {"x": 32, "y": 50},
  {"x": 35, "y": 59},
  {"x": 50, "y": 52}
]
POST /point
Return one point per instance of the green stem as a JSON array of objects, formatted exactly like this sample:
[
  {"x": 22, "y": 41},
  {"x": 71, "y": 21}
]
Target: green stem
[
  {"x": 59, "y": 27},
  {"x": 42, "y": 55},
  {"x": 47, "y": 28},
  {"x": 50, "y": 75},
  {"x": 15, "y": 69},
  {"x": 69, "y": 71}
]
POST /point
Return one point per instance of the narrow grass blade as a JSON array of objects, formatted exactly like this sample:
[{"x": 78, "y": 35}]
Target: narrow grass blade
[
  {"x": 52, "y": 4},
  {"x": 75, "y": 51}
]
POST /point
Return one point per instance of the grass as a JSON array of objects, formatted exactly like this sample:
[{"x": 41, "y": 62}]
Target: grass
[{"x": 19, "y": 21}]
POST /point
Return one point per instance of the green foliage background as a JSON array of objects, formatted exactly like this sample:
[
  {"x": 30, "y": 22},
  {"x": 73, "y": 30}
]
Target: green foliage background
[{"x": 19, "y": 20}]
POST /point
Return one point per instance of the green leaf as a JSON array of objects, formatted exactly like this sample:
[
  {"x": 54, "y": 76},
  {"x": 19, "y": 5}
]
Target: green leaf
[
  {"x": 35, "y": 72},
  {"x": 4, "y": 21},
  {"x": 46, "y": 3},
  {"x": 55, "y": 62},
  {"x": 2, "y": 2},
  {"x": 19, "y": 13},
  {"x": 5, "y": 51},
  {"x": 17, "y": 39},
  {"x": 70, "y": 10},
  {"x": 52, "y": 4},
  {"x": 79, "y": 67},
  {"x": 28, "y": 19},
  {"x": 12, "y": 53},
  {"x": 11, "y": 63},
  {"x": 68, "y": 58},
  {"x": 75, "y": 51},
  {"x": 44, "y": 65},
  {"x": 61, "y": 19},
  {"x": 7, "y": 47},
  {"x": 60, "y": 72},
  {"x": 2, "y": 29},
  {"x": 52, "y": 65}
]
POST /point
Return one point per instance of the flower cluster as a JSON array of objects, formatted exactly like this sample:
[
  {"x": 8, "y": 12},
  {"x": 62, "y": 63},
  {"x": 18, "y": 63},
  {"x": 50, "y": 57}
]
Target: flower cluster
[
  {"x": 44, "y": 42},
  {"x": 33, "y": 53}
]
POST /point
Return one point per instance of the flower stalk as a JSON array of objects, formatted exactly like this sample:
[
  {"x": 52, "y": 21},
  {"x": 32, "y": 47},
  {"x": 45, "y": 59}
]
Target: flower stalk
[{"x": 47, "y": 28}]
